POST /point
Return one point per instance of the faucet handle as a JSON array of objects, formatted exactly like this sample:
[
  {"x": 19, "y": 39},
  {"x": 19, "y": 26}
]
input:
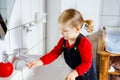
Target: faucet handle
[
  {"x": 17, "y": 53},
  {"x": 20, "y": 50}
]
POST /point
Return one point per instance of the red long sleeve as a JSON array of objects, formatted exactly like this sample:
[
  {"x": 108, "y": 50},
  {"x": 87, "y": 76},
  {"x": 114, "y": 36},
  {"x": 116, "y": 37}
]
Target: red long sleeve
[
  {"x": 85, "y": 49},
  {"x": 53, "y": 54}
]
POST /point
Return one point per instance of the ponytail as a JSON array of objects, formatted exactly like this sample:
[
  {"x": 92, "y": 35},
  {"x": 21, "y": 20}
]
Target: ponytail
[
  {"x": 89, "y": 25},
  {"x": 75, "y": 19}
]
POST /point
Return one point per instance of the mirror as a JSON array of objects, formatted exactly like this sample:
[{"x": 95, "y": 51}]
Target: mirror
[
  {"x": 6, "y": 7},
  {"x": 3, "y": 28}
]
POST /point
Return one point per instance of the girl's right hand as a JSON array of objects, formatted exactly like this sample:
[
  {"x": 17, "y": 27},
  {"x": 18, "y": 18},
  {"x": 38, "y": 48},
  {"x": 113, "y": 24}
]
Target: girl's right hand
[{"x": 34, "y": 64}]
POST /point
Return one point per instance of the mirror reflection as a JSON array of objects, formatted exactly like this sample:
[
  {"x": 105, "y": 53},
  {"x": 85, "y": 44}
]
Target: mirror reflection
[
  {"x": 3, "y": 28},
  {"x": 6, "y": 7}
]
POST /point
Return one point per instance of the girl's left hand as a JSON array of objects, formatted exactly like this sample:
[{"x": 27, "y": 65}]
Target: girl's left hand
[{"x": 72, "y": 75}]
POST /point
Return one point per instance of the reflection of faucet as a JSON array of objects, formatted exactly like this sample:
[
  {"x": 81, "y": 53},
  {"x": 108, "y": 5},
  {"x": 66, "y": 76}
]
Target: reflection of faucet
[{"x": 18, "y": 54}]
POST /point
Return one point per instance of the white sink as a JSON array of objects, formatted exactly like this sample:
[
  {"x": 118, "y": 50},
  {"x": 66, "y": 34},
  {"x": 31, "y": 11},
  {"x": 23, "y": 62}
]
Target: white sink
[
  {"x": 56, "y": 70},
  {"x": 16, "y": 75}
]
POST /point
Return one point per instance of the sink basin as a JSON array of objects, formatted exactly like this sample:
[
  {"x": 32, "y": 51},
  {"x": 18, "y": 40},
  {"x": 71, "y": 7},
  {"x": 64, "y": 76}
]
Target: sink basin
[
  {"x": 16, "y": 75},
  {"x": 56, "y": 70}
]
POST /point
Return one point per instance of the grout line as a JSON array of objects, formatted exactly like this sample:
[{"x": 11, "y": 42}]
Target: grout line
[{"x": 111, "y": 15}]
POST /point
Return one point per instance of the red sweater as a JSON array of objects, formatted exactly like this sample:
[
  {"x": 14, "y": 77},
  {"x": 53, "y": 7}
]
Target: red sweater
[{"x": 84, "y": 48}]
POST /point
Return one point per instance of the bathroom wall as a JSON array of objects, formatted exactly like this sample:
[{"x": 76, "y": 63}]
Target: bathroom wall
[
  {"x": 99, "y": 13},
  {"x": 23, "y": 32},
  {"x": 110, "y": 13},
  {"x": 25, "y": 13},
  {"x": 35, "y": 38},
  {"x": 53, "y": 11}
]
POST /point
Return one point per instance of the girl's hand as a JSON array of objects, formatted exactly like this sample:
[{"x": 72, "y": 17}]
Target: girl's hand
[
  {"x": 34, "y": 64},
  {"x": 72, "y": 75}
]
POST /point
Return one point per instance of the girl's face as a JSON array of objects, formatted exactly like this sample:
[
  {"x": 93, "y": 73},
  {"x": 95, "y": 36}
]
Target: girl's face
[{"x": 68, "y": 32}]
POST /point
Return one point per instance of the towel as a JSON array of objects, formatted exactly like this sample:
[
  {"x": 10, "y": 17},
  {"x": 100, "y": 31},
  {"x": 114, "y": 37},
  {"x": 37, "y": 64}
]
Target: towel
[{"x": 112, "y": 42}]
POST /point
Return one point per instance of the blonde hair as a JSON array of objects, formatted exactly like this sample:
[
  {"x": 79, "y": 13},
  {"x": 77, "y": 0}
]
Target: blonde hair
[{"x": 75, "y": 19}]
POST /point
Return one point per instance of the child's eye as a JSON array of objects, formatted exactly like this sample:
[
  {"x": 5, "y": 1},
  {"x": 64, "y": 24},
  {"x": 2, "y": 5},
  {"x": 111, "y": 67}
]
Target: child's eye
[{"x": 65, "y": 31}]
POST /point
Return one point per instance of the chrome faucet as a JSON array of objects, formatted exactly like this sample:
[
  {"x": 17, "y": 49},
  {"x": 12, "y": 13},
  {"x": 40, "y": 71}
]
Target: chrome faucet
[{"x": 18, "y": 54}]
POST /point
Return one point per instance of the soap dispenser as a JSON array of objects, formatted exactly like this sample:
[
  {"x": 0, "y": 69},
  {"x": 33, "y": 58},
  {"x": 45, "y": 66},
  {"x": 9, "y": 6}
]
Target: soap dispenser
[{"x": 6, "y": 67}]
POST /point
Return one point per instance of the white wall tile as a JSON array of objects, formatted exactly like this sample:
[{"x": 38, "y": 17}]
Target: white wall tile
[
  {"x": 23, "y": 12},
  {"x": 40, "y": 36},
  {"x": 52, "y": 23},
  {"x": 32, "y": 39},
  {"x": 89, "y": 10},
  {"x": 27, "y": 38},
  {"x": 15, "y": 39},
  {"x": 65, "y": 4},
  {"x": 110, "y": 21},
  {"x": 88, "y": 7},
  {"x": 110, "y": 13},
  {"x": 35, "y": 7},
  {"x": 111, "y": 7},
  {"x": 39, "y": 49},
  {"x": 26, "y": 11}
]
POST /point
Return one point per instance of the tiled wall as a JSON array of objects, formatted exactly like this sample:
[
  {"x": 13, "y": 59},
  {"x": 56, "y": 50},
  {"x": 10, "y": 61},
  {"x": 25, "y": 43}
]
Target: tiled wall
[
  {"x": 32, "y": 37},
  {"x": 110, "y": 13},
  {"x": 53, "y": 34}
]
